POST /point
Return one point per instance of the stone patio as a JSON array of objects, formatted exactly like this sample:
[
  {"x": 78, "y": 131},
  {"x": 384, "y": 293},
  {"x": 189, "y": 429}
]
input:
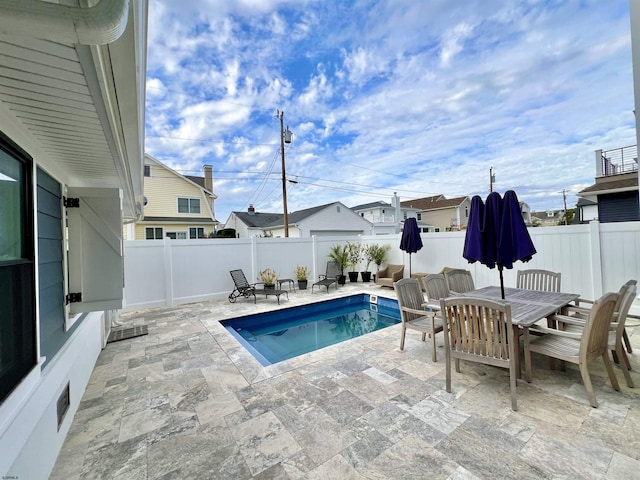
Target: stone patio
[{"x": 187, "y": 401}]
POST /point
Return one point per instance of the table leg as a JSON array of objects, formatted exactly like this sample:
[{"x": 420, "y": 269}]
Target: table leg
[{"x": 516, "y": 339}]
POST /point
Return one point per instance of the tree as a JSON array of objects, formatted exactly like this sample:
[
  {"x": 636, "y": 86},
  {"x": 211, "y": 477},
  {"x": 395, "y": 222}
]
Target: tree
[{"x": 568, "y": 216}]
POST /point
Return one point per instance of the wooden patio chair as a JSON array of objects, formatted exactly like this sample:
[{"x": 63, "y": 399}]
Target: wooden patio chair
[
  {"x": 459, "y": 280},
  {"x": 584, "y": 305},
  {"x": 413, "y": 313},
  {"x": 436, "y": 288},
  {"x": 616, "y": 331},
  {"x": 330, "y": 277},
  {"x": 536, "y": 279},
  {"x": 580, "y": 347},
  {"x": 479, "y": 330}
]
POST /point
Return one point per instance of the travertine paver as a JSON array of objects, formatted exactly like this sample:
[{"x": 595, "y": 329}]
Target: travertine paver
[{"x": 187, "y": 401}]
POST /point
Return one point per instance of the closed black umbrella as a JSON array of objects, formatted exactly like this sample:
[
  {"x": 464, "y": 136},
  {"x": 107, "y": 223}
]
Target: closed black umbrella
[{"x": 410, "y": 241}]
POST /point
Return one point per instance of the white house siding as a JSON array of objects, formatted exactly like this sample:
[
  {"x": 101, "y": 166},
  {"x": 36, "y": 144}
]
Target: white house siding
[
  {"x": 334, "y": 219},
  {"x": 163, "y": 189}
]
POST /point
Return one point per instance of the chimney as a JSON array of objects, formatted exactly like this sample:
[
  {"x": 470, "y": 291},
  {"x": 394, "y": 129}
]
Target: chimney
[
  {"x": 251, "y": 210},
  {"x": 208, "y": 178}
]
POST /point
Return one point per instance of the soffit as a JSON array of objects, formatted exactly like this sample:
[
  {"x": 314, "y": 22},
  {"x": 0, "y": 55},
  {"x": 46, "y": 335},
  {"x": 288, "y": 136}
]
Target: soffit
[{"x": 45, "y": 87}]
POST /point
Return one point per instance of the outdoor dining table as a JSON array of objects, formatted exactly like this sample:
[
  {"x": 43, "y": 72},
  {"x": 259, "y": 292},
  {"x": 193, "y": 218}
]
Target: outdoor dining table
[{"x": 527, "y": 306}]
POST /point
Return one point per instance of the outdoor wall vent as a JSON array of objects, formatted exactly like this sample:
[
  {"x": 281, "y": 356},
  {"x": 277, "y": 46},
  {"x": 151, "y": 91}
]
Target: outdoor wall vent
[{"x": 62, "y": 405}]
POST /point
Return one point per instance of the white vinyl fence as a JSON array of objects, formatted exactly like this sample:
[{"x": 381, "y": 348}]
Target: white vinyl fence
[{"x": 593, "y": 259}]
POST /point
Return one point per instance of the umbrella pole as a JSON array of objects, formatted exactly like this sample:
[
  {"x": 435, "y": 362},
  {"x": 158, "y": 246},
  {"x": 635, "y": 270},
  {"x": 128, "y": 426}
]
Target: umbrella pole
[
  {"x": 501, "y": 280},
  {"x": 409, "y": 264}
]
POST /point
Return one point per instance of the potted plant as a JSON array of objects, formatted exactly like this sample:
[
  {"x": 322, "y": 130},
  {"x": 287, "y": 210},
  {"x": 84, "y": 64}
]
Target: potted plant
[
  {"x": 339, "y": 254},
  {"x": 302, "y": 274},
  {"x": 379, "y": 254},
  {"x": 354, "y": 254},
  {"x": 367, "y": 253},
  {"x": 268, "y": 277}
]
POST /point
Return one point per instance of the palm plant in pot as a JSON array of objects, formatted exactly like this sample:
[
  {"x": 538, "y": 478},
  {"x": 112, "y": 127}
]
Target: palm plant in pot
[
  {"x": 354, "y": 254},
  {"x": 268, "y": 277},
  {"x": 302, "y": 275},
  {"x": 339, "y": 254}
]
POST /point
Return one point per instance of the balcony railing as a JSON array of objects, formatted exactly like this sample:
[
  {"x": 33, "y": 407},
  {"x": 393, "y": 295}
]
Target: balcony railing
[{"x": 619, "y": 160}]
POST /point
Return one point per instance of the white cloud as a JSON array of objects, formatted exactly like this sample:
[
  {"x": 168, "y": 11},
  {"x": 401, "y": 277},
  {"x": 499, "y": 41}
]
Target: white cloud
[{"x": 415, "y": 97}]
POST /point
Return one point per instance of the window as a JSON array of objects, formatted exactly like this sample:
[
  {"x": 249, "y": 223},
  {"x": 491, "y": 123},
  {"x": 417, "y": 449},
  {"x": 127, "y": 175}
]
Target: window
[
  {"x": 188, "y": 205},
  {"x": 153, "y": 233},
  {"x": 466, "y": 212},
  {"x": 147, "y": 170},
  {"x": 437, "y": 229},
  {"x": 177, "y": 235},
  {"x": 418, "y": 216},
  {"x": 196, "y": 232},
  {"x": 17, "y": 301},
  {"x": 404, "y": 215}
]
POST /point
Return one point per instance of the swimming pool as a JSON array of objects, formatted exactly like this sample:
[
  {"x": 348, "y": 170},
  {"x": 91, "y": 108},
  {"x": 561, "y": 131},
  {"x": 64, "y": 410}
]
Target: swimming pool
[{"x": 276, "y": 336}]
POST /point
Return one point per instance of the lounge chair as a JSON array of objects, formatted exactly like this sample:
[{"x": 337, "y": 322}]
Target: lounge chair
[
  {"x": 242, "y": 287},
  {"x": 390, "y": 274},
  {"x": 330, "y": 276}
]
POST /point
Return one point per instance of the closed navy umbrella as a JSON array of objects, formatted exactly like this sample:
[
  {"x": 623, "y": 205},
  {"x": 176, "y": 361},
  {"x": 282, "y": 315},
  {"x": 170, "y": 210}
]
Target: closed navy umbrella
[
  {"x": 473, "y": 239},
  {"x": 514, "y": 243},
  {"x": 503, "y": 237},
  {"x": 410, "y": 241}
]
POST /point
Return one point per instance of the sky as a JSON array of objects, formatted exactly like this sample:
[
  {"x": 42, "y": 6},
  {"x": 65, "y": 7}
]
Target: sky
[{"x": 416, "y": 97}]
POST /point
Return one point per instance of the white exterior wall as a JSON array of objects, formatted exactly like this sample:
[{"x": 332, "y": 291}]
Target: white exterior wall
[
  {"x": 29, "y": 438},
  {"x": 593, "y": 259},
  {"x": 335, "y": 219}
]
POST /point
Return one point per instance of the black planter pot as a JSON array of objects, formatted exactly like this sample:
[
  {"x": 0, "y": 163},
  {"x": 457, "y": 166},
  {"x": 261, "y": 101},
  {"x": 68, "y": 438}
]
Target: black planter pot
[
  {"x": 353, "y": 277},
  {"x": 302, "y": 284},
  {"x": 269, "y": 287},
  {"x": 366, "y": 276},
  {"x": 342, "y": 279}
]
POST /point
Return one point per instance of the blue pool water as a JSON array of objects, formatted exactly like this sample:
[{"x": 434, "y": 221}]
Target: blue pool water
[{"x": 275, "y": 336}]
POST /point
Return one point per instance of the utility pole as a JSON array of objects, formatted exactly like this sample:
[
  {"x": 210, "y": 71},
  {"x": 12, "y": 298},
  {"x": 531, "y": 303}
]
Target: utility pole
[
  {"x": 564, "y": 198},
  {"x": 492, "y": 178},
  {"x": 283, "y": 139}
]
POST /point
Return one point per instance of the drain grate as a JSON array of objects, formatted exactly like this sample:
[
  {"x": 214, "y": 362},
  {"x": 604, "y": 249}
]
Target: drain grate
[{"x": 123, "y": 333}]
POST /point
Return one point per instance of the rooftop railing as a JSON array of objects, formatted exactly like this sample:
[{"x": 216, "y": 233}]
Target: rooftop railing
[{"x": 619, "y": 160}]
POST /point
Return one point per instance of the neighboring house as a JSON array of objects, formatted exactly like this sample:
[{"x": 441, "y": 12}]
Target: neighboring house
[
  {"x": 331, "y": 219},
  {"x": 586, "y": 210},
  {"x": 176, "y": 206},
  {"x": 615, "y": 192},
  {"x": 547, "y": 218},
  {"x": 71, "y": 170},
  {"x": 444, "y": 214},
  {"x": 383, "y": 215}
]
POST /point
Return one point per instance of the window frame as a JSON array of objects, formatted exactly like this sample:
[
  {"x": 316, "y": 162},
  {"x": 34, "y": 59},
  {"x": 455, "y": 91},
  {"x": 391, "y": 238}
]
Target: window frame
[
  {"x": 196, "y": 237},
  {"x": 190, "y": 206},
  {"x": 147, "y": 171},
  {"x": 20, "y": 366},
  {"x": 155, "y": 231}
]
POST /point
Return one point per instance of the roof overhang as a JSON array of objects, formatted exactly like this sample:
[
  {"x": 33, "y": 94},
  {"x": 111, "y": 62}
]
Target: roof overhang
[{"x": 77, "y": 109}]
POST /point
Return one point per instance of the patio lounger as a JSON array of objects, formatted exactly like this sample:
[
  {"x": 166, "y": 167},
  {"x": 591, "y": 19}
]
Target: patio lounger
[
  {"x": 242, "y": 287},
  {"x": 330, "y": 277}
]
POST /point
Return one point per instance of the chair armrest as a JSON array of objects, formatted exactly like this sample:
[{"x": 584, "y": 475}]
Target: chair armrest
[
  {"x": 583, "y": 310},
  {"x": 431, "y": 306},
  {"x": 568, "y": 320},
  {"x": 418, "y": 312},
  {"x": 395, "y": 276},
  {"x": 558, "y": 333},
  {"x": 578, "y": 301}
]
